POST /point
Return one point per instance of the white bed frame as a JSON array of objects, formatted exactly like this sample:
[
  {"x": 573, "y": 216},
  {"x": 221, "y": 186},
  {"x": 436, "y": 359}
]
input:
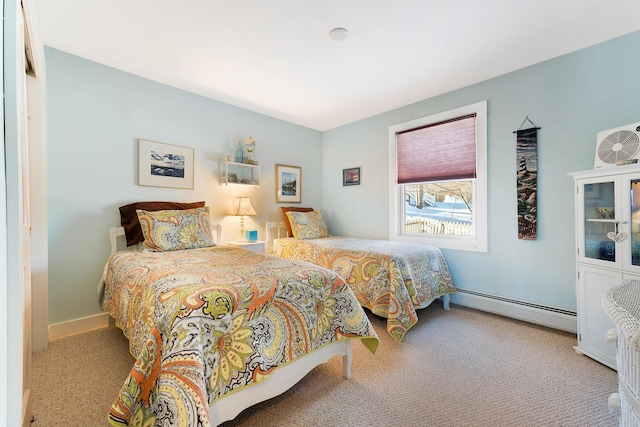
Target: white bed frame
[
  {"x": 281, "y": 232},
  {"x": 280, "y": 380}
]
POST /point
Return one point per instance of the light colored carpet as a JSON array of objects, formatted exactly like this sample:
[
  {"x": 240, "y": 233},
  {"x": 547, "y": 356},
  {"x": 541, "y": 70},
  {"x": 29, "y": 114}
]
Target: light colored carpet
[{"x": 457, "y": 368}]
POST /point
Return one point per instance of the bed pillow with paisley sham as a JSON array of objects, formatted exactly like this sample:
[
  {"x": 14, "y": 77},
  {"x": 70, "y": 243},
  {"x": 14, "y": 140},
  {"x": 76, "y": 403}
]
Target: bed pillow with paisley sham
[
  {"x": 307, "y": 225},
  {"x": 129, "y": 217},
  {"x": 172, "y": 230},
  {"x": 287, "y": 223}
]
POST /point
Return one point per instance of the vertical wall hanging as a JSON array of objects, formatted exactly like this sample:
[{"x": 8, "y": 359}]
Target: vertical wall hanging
[{"x": 527, "y": 180}]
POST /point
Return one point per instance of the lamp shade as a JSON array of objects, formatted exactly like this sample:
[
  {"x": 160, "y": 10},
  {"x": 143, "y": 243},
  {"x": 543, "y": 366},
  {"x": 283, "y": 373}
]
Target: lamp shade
[{"x": 242, "y": 206}]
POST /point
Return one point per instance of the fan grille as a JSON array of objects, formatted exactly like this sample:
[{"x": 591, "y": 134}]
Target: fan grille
[{"x": 620, "y": 145}]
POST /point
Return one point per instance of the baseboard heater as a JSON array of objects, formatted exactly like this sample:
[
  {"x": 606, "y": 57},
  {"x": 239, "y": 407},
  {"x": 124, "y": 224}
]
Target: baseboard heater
[{"x": 552, "y": 317}]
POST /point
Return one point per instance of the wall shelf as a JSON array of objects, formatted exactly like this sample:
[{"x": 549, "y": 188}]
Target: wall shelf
[{"x": 238, "y": 173}]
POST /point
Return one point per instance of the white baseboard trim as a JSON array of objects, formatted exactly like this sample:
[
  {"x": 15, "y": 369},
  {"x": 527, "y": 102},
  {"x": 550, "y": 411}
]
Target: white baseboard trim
[
  {"x": 550, "y": 319},
  {"x": 76, "y": 326}
]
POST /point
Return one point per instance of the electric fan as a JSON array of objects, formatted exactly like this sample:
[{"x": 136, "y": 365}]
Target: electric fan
[{"x": 617, "y": 146}]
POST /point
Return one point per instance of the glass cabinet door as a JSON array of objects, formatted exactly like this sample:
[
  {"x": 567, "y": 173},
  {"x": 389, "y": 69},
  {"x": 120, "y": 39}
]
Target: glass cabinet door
[
  {"x": 600, "y": 219},
  {"x": 634, "y": 239}
]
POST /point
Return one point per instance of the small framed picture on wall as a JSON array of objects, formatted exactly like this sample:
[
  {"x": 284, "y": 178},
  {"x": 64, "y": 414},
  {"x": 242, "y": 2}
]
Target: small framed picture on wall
[
  {"x": 288, "y": 184},
  {"x": 164, "y": 165},
  {"x": 351, "y": 176}
]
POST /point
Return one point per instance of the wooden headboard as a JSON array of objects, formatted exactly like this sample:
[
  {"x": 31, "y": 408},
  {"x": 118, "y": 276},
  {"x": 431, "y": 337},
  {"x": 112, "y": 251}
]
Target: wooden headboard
[{"x": 115, "y": 232}]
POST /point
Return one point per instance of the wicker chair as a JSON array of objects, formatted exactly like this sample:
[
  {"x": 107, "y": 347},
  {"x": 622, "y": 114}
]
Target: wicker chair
[{"x": 622, "y": 304}]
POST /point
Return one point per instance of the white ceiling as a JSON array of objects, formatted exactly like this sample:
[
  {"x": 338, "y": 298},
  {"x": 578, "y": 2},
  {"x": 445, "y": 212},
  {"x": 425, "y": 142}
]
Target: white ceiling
[{"x": 276, "y": 57}]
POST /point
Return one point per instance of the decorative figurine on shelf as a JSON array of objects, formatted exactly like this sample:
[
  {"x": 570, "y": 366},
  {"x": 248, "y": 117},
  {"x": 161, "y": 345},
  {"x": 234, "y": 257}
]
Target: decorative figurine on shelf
[
  {"x": 250, "y": 143},
  {"x": 239, "y": 153}
]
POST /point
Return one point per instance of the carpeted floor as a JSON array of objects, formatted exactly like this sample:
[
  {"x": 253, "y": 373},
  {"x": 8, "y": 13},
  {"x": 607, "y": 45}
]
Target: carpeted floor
[{"x": 457, "y": 368}]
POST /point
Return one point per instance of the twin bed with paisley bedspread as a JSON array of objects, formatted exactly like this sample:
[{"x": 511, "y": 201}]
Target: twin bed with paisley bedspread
[
  {"x": 392, "y": 279},
  {"x": 215, "y": 329}
]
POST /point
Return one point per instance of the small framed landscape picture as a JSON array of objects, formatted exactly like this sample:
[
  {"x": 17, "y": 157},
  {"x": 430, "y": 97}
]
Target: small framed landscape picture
[
  {"x": 351, "y": 176},
  {"x": 288, "y": 184},
  {"x": 164, "y": 165}
]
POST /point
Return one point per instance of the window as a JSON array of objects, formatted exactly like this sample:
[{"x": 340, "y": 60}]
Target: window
[{"x": 438, "y": 179}]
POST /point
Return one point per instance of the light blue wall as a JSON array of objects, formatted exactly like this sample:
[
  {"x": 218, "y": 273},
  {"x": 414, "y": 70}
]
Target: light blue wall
[
  {"x": 95, "y": 115},
  {"x": 571, "y": 98}
]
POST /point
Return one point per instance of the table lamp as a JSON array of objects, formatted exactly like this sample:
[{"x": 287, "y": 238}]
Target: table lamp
[{"x": 242, "y": 206}]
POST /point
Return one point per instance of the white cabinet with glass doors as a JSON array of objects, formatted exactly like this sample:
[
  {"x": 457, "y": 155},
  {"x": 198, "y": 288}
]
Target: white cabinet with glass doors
[{"x": 607, "y": 248}]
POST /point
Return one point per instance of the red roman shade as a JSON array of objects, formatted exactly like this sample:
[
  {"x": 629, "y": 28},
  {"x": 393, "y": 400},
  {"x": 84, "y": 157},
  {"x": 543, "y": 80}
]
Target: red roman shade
[{"x": 438, "y": 152}]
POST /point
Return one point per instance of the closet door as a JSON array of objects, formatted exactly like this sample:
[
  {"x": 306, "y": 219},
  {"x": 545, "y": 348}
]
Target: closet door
[
  {"x": 16, "y": 67},
  {"x": 25, "y": 230}
]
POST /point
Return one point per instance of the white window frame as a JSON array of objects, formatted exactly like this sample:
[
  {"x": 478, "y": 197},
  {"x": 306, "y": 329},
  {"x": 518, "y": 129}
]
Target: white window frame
[{"x": 478, "y": 241}]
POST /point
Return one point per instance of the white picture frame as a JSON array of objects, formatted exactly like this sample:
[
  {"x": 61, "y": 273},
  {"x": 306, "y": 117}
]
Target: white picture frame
[
  {"x": 288, "y": 184},
  {"x": 165, "y": 165}
]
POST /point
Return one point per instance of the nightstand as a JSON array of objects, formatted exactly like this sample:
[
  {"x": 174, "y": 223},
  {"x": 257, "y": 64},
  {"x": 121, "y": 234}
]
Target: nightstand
[{"x": 257, "y": 246}]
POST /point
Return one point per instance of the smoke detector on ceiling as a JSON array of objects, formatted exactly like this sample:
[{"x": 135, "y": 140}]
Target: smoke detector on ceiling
[{"x": 338, "y": 33}]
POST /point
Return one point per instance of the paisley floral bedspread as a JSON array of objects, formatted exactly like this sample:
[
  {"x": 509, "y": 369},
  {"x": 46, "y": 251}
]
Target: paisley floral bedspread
[
  {"x": 389, "y": 278},
  {"x": 202, "y": 323}
]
